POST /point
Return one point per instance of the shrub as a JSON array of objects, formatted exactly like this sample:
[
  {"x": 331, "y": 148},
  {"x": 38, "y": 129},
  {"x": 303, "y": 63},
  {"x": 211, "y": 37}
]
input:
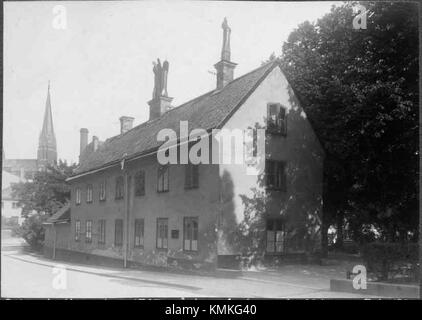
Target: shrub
[
  {"x": 33, "y": 231},
  {"x": 383, "y": 259}
]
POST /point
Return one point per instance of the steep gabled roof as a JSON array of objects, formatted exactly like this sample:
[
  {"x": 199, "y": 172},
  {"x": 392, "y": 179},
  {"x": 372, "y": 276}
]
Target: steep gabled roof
[{"x": 207, "y": 112}]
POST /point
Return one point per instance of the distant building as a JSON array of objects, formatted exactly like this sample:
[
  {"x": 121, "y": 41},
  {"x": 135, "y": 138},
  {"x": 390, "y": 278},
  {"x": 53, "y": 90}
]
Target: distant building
[
  {"x": 47, "y": 149},
  {"x": 10, "y": 212},
  {"x": 127, "y": 207}
]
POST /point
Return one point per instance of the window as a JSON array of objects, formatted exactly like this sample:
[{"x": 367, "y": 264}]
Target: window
[
  {"x": 101, "y": 231},
  {"x": 139, "y": 233},
  {"x": 118, "y": 232},
  {"x": 77, "y": 230},
  {"x": 78, "y": 196},
  {"x": 190, "y": 234},
  {"x": 103, "y": 190},
  {"x": 88, "y": 231},
  {"x": 275, "y": 172},
  {"x": 191, "y": 176},
  {"x": 163, "y": 178},
  {"x": 162, "y": 233},
  {"x": 277, "y": 119},
  {"x": 119, "y": 187},
  {"x": 89, "y": 193},
  {"x": 140, "y": 183},
  {"x": 14, "y": 205},
  {"x": 275, "y": 235}
]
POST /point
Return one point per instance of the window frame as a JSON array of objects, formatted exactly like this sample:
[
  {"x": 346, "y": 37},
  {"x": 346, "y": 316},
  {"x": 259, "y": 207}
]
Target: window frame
[
  {"x": 102, "y": 231},
  {"x": 120, "y": 243},
  {"x": 275, "y": 230},
  {"x": 88, "y": 231},
  {"x": 192, "y": 234},
  {"x": 281, "y": 179},
  {"x": 119, "y": 188},
  {"x": 77, "y": 230},
  {"x": 78, "y": 196},
  {"x": 139, "y": 229},
  {"x": 191, "y": 176},
  {"x": 280, "y": 125},
  {"x": 161, "y": 170},
  {"x": 158, "y": 234},
  {"x": 139, "y": 182},
  {"x": 103, "y": 190},
  {"x": 89, "y": 193}
]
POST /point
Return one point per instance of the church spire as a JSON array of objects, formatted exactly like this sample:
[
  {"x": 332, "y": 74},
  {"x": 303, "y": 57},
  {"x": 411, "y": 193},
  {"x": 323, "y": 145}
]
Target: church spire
[{"x": 47, "y": 149}]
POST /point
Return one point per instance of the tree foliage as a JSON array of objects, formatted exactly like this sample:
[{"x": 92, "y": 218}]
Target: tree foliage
[
  {"x": 47, "y": 192},
  {"x": 360, "y": 90}
]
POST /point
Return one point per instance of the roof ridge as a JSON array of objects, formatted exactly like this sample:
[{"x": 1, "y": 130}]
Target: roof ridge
[{"x": 192, "y": 100}]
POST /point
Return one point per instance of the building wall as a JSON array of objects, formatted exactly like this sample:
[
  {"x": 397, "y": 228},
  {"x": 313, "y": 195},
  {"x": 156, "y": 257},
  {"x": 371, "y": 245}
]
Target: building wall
[
  {"x": 175, "y": 204},
  {"x": 301, "y": 151},
  {"x": 62, "y": 237}
]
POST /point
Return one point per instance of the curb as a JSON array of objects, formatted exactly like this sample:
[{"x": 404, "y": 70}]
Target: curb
[{"x": 377, "y": 289}]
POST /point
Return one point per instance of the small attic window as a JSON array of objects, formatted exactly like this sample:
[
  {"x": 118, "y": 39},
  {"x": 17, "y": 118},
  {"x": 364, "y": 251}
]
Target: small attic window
[{"x": 276, "y": 119}]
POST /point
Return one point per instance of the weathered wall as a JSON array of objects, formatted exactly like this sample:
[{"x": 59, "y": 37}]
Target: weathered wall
[
  {"x": 174, "y": 205},
  {"x": 300, "y": 149},
  {"x": 61, "y": 232}
]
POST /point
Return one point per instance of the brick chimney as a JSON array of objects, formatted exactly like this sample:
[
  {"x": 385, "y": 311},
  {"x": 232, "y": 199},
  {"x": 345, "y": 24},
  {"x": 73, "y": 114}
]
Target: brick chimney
[
  {"x": 225, "y": 68},
  {"x": 126, "y": 124},
  {"x": 83, "y": 141},
  {"x": 160, "y": 102}
]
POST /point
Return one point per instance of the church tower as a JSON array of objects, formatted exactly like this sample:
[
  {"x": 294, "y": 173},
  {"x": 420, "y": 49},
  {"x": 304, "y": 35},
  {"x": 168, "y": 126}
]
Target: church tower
[{"x": 47, "y": 149}]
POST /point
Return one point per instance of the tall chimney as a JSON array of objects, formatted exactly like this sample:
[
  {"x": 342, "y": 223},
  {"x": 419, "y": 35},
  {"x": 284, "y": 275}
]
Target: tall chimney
[
  {"x": 225, "y": 68},
  {"x": 83, "y": 141},
  {"x": 126, "y": 124},
  {"x": 160, "y": 102}
]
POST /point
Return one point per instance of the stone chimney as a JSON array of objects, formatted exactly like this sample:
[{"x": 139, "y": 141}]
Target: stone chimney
[
  {"x": 126, "y": 124},
  {"x": 95, "y": 143},
  {"x": 83, "y": 141},
  {"x": 225, "y": 68},
  {"x": 160, "y": 102}
]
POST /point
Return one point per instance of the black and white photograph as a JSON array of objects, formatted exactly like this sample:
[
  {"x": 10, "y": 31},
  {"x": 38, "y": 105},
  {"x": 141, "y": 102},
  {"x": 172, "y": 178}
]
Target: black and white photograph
[{"x": 194, "y": 150}]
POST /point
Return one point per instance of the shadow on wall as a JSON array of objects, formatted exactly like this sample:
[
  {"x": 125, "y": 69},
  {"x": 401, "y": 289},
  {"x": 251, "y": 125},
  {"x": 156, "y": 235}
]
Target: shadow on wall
[{"x": 298, "y": 207}]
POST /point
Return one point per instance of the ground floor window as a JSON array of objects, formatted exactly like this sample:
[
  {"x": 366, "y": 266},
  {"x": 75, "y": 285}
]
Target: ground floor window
[
  {"x": 190, "y": 234},
  {"x": 77, "y": 230},
  {"x": 162, "y": 233},
  {"x": 275, "y": 235},
  {"x": 88, "y": 231},
  {"x": 118, "y": 232},
  {"x": 101, "y": 231},
  {"x": 139, "y": 233}
]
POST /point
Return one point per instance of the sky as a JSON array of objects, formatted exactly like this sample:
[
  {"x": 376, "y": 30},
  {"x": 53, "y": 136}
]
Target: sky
[{"x": 100, "y": 63}]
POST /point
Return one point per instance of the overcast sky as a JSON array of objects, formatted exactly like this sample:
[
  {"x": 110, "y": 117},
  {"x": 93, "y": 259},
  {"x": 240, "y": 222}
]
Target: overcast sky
[{"x": 100, "y": 65}]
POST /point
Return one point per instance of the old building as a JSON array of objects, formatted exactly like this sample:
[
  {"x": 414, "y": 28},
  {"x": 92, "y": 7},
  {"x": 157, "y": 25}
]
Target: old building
[
  {"x": 47, "y": 149},
  {"x": 127, "y": 206}
]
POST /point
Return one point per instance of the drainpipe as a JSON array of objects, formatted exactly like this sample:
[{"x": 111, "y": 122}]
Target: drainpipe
[
  {"x": 126, "y": 212},
  {"x": 54, "y": 241}
]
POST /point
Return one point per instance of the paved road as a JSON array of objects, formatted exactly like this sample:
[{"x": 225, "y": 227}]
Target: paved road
[{"x": 31, "y": 276}]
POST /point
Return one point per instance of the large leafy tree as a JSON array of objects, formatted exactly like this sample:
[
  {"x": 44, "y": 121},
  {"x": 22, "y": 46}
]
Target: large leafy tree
[
  {"x": 360, "y": 90},
  {"x": 47, "y": 192}
]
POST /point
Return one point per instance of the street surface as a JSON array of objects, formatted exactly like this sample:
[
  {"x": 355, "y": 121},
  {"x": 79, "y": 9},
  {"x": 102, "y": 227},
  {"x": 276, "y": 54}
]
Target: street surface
[{"x": 26, "y": 275}]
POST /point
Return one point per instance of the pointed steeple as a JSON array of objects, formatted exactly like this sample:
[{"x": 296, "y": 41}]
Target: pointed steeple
[{"x": 47, "y": 149}]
